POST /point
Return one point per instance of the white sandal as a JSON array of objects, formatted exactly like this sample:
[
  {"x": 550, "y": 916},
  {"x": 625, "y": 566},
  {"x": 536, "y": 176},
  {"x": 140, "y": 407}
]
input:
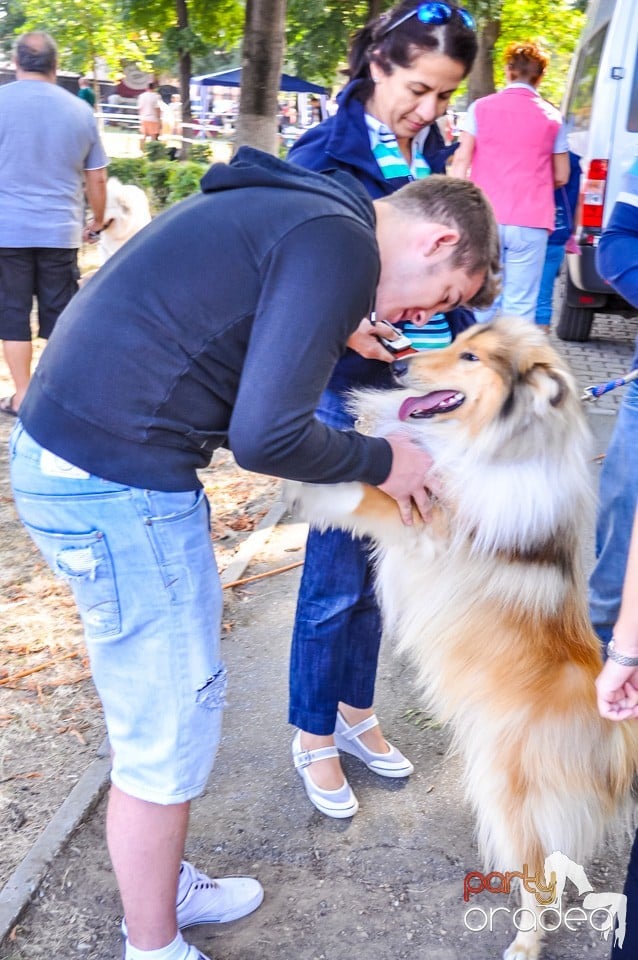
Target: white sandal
[
  {"x": 391, "y": 764},
  {"x": 338, "y": 803}
]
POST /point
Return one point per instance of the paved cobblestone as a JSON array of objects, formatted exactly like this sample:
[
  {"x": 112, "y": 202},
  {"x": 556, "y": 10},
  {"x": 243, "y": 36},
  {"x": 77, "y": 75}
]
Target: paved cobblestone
[{"x": 606, "y": 355}]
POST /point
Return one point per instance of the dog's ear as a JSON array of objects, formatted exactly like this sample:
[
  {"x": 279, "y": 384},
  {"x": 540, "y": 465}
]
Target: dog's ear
[
  {"x": 550, "y": 384},
  {"x": 562, "y": 387}
]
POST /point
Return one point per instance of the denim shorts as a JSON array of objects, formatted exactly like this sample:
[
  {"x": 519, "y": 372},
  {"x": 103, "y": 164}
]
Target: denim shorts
[{"x": 141, "y": 566}]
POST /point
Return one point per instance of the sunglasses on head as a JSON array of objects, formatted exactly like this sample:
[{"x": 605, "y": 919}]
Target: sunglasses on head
[{"x": 436, "y": 14}]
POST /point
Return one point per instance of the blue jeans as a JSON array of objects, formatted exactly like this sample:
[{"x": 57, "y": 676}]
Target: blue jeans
[
  {"x": 629, "y": 949},
  {"x": 141, "y": 567},
  {"x": 554, "y": 256},
  {"x": 337, "y": 631},
  {"x": 522, "y": 258},
  {"x": 617, "y": 506}
]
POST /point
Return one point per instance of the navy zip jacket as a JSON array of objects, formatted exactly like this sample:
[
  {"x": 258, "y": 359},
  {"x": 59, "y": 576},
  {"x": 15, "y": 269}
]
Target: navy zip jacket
[
  {"x": 216, "y": 325},
  {"x": 342, "y": 142}
]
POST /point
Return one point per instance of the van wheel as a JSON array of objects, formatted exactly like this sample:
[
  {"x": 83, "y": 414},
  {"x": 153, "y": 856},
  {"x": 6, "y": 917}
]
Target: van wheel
[{"x": 574, "y": 323}]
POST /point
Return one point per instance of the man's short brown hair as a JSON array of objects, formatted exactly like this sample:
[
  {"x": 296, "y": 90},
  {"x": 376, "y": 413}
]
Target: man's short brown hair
[{"x": 463, "y": 206}]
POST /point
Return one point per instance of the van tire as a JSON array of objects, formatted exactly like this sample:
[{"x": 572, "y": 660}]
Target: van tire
[{"x": 574, "y": 323}]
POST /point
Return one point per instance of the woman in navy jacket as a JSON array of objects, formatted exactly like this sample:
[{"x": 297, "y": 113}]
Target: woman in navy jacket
[{"x": 404, "y": 67}]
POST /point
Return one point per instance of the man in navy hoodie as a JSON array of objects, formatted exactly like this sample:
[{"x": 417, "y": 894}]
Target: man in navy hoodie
[{"x": 210, "y": 328}]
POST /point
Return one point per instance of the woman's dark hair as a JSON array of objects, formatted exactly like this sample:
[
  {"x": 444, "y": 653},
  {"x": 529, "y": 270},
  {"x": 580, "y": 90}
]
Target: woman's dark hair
[{"x": 399, "y": 46}]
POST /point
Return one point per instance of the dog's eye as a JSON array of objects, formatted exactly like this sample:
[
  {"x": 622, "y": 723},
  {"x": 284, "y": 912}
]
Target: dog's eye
[{"x": 468, "y": 356}]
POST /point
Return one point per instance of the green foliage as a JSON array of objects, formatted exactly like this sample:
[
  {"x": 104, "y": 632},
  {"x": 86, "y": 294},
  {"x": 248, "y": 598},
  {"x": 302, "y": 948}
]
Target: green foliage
[
  {"x": 183, "y": 180},
  {"x": 421, "y": 719},
  {"x": 12, "y": 19},
  {"x": 155, "y": 150},
  {"x": 318, "y": 32},
  {"x": 87, "y": 30},
  {"x": 164, "y": 181},
  {"x": 219, "y": 23},
  {"x": 157, "y": 183},
  {"x": 317, "y": 36},
  {"x": 555, "y": 24},
  {"x": 129, "y": 170},
  {"x": 200, "y": 153},
  {"x": 178, "y": 41}
]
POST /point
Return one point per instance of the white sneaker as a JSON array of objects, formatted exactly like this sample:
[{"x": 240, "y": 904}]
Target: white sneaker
[
  {"x": 195, "y": 954},
  {"x": 204, "y": 900}
]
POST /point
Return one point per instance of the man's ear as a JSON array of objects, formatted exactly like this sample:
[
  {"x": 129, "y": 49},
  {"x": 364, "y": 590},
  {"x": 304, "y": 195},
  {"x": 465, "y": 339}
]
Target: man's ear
[{"x": 438, "y": 241}]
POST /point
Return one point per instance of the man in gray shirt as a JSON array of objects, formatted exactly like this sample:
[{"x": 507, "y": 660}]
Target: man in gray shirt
[{"x": 50, "y": 152}]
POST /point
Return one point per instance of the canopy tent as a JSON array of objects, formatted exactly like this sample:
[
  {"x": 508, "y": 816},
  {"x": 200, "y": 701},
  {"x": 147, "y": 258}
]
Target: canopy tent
[{"x": 232, "y": 78}]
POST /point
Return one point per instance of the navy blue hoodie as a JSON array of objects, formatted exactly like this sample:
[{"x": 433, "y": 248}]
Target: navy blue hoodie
[{"x": 215, "y": 325}]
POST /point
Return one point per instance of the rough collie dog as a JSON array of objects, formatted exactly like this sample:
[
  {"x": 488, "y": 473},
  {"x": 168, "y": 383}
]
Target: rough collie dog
[{"x": 489, "y": 597}]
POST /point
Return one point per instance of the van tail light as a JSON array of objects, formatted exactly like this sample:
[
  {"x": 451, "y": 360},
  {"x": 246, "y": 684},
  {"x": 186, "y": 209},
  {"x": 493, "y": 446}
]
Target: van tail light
[{"x": 593, "y": 194}]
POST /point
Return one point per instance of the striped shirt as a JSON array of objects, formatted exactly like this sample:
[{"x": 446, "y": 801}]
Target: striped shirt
[
  {"x": 433, "y": 336},
  {"x": 390, "y": 160}
]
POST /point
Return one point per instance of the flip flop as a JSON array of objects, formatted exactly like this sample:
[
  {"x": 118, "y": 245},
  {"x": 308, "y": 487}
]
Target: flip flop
[{"x": 6, "y": 406}]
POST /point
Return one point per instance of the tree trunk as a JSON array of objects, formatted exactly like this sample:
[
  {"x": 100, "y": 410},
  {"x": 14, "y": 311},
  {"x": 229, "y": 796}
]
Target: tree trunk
[
  {"x": 481, "y": 79},
  {"x": 185, "y": 68},
  {"x": 262, "y": 59},
  {"x": 375, "y": 7}
]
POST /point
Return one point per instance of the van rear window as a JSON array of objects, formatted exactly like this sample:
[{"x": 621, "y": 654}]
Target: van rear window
[
  {"x": 632, "y": 119},
  {"x": 582, "y": 95}
]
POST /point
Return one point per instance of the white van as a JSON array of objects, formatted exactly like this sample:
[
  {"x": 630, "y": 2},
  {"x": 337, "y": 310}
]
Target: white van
[{"x": 601, "y": 112}]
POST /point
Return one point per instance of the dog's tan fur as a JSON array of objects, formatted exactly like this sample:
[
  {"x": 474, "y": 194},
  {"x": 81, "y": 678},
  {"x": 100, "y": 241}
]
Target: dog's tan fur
[{"x": 490, "y": 599}]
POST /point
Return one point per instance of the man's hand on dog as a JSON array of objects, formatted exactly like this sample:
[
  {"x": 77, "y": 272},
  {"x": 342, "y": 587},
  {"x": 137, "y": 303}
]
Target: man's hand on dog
[{"x": 411, "y": 481}]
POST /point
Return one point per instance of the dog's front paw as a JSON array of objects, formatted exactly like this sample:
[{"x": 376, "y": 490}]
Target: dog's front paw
[
  {"x": 326, "y": 504},
  {"x": 523, "y": 948}
]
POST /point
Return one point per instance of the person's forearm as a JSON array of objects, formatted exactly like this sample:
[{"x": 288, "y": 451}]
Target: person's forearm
[
  {"x": 462, "y": 158},
  {"x": 95, "y": 185},
  {"x": 561, "y": 169}
]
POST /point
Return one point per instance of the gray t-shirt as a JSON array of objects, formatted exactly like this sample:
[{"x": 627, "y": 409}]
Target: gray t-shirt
[{"x": 47, "y": 140}]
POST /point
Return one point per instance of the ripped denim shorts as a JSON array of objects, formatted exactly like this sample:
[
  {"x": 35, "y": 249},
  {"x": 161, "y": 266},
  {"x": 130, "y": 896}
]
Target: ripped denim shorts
[{"x": 142, "y": 570}]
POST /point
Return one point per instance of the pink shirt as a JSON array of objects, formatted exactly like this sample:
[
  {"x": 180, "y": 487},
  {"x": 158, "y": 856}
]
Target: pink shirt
[{"x": 516, "y": 132}]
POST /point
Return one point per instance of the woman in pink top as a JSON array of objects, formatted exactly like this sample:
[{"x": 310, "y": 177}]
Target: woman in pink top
[{"x": 514, "y": 146}]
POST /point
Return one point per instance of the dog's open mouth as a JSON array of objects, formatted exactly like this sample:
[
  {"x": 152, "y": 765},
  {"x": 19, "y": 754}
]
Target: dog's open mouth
[{"x": 439, "y": 401}]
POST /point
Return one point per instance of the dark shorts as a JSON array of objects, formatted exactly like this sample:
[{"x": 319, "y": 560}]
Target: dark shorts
[{"x": 49, "y": 274}]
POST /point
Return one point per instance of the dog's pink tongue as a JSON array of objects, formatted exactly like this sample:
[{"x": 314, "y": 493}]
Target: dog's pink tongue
[{"x": 422, "y": 406}]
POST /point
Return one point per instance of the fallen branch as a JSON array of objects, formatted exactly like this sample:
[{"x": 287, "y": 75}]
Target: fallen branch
[
  {"x": 34, "y": 775},
  {"x": 40, "y": 666},
  {"x": 260, "y": 576}
]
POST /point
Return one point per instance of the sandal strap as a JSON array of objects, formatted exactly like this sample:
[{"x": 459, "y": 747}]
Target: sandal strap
[
  {"x": 351, "y": 733},
  {"x": 303, "y": 758}
]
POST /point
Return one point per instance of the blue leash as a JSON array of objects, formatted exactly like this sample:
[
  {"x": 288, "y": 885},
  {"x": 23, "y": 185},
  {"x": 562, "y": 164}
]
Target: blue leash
[{"x": 596, "y": 391}]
